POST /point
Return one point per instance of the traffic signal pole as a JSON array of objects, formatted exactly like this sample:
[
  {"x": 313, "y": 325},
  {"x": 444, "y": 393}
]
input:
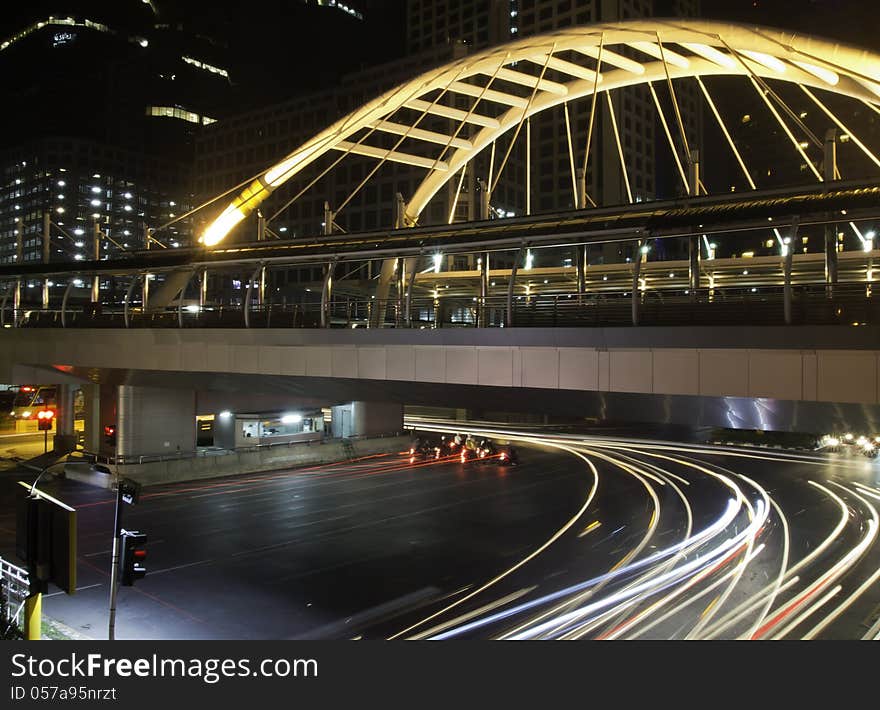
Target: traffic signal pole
[
  {"x": 33, "y": 615},
  {"x": 114, "y": 573}
]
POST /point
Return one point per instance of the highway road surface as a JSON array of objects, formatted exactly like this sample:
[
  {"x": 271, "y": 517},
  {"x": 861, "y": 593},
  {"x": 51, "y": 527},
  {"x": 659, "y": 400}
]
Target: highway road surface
[{"x": 587, "y": 538}]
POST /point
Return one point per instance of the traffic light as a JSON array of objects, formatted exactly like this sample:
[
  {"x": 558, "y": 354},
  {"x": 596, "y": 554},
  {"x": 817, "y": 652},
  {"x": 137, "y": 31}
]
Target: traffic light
[
  {"x": 44, "y": 419},
  {"x": 132, "y": 563},
  {"x": 110, "y": 435}
]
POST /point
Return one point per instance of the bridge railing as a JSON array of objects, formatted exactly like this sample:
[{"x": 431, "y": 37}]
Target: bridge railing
[{"x": 844, "y": 304}]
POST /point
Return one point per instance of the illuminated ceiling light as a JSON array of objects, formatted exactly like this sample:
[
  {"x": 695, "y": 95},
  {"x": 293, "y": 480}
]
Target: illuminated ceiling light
[
  {"x": 59, "y": 210},
  {"x": 78, "y": 232},
  {"x": 127, "y": 195},
  {"x": 79, "y": 245},
  {"x": 766, "y": 60},
  {"x": 60, "y": 197},
  {"x": 95, "y": 203},
  {"x": 77, "y": 282},
  {"x": 61, "y": 183},
  {"x": 78, "y": 257},
  {"x": 710, "y": 53},
  {"x": 291, "y": 419},
  {"x": 653, "y": 49},
  {"x": 826, "y": 75},
  {"x": 438, "y": 260}
]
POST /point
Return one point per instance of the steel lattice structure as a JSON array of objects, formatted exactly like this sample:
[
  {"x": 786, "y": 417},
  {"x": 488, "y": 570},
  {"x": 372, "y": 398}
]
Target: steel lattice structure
[{"x": 492, "y": 93}]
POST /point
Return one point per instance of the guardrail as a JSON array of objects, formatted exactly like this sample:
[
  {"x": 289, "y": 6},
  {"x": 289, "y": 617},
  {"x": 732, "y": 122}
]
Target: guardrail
[
  {"x": 844, "y": 304},
  {"x": 14, "y": 589},
  {"x": 110, "y": 460}
]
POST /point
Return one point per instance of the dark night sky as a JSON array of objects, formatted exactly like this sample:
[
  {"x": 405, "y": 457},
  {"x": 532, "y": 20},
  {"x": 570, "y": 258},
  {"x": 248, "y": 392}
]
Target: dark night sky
[
  {"x": 281, "y": 47},
  {"x": 853, "y": 21}
]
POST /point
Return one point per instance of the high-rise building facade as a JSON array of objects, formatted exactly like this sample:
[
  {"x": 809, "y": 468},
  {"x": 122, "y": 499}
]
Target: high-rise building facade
[{"x": 106, "y": 108}]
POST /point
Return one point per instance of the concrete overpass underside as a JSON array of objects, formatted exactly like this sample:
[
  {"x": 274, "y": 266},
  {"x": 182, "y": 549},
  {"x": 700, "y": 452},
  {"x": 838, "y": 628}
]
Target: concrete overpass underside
[{"x": 796, "y": 378}]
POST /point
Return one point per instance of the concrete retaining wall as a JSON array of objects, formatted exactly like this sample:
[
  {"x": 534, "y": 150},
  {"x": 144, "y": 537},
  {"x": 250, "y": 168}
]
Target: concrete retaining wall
[{"x": 268, "y": 459}]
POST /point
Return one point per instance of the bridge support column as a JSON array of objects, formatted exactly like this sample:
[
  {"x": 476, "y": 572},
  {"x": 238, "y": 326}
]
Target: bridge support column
[
  {"x": 485, "y": 198},
  {"x": 401, "y": 285},
  {"x": 787, "y": 250},
  {"x": 65, "y": 436},
  {"x": 249, "y": 294},
  {"x": 388, "y": 271},
  {"x": 483, "y": 316},
  {"x": 16, "y": 305},
  {"x": 19, "y": 257},
  {"x": 581, "y": 264},
  {"x": 636, "y": 295},
  {"x": 694, "y": 241},
  {"x": 47, "y": 251},
  {"x": 383, "y": 289},
  {"x": 99, "y": 410},
  {"x": 154, "y": 421},
  {"x": 412, "y": 266},
  {"x": 203, "y": 289},
  {"x": 508, "y": 321},
  {"x": 367, "y": 419},
  {"x": 326, "y": 292},
  {"x": 581, "y": 179},
  {"x": 829, "y": 175},
  {"x": 96, "y": 280}
]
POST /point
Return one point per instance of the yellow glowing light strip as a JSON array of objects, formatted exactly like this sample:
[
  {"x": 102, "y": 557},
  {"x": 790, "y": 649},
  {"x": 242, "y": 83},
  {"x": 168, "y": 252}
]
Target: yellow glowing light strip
[
  {"x": 393, "y": 155},
  {"x": 652, "y": 49},
  {"x": 710, "y": 53}
]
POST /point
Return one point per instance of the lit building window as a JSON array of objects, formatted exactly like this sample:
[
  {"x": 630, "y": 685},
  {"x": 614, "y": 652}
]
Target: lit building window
[
  {"x": 179, "y": 113},
  {"x": 205, "y": 66}
]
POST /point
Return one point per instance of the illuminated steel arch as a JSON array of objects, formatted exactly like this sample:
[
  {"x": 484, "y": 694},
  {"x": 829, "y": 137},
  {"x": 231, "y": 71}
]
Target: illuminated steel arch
[{"x": 492, "y": 92}]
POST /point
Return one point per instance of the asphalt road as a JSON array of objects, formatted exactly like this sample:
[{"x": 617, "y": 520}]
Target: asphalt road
[
  {"x": 310, "y": 553},
  {"x": 587, "y": 538},
  {"x": 706, "y": 542}
]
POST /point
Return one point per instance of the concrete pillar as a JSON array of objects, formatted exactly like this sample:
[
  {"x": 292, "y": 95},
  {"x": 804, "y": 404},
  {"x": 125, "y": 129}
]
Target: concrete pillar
[
  {"x": 363, "y": 419},
  {"x": 65, "y": 436},
  {"x": 92, "y": 417},
  {"x": 224, "y": 430},
  {"x": 154, "y": 421},
  {"x": 376, "y": 418}
]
